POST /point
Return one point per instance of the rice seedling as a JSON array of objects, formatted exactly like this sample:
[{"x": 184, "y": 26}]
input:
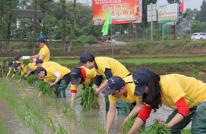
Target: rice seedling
[
  {"x": 45, "y": 88},
  {"x": 156, "y": 128},
  {"x": 88, "y": 98},
  {"x": 31, "y": 79},
  {"x": 128, "y": 125},
  {"x": 25, "y": 62}
]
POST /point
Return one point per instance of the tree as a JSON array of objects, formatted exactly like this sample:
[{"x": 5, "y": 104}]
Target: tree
[
  {"x": 73, "y": 22},
  {"x": 173, "y": 1},
  {"x": 63, "y": 2},
  {"x": 197, "y": 26},
  {"x": 201, "y": 14},
  {"x": 190, "y": 14}
]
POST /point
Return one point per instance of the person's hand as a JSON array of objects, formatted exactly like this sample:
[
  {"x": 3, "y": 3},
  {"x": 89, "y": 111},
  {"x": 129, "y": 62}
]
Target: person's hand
[
  {"x": 161, "y": 122},
  {"x": 125, "y": 120},
  {"x": 25, "y": 76},
  {"x": 19, "y": 80},
  {"x": 6, "y": 78},
  {"x": 51, "y": 84},
  {"x": 39, "y": 95}
]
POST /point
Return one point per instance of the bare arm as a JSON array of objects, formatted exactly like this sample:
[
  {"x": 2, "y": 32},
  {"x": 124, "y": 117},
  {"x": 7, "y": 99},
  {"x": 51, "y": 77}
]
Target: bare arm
[
  {"x": 28, "y": 73},
  {"x": 8, "y": 73},
  {"x": 110, "y": 116},
  {"x": 102, "y": 86},
  {"x": 41, "y": 57},
  {"x": 137, "y": 124},
  {"x": 134, "y": 111},
  {"x": 72, "y": 99},
  {"x": 35, "y": 56}
]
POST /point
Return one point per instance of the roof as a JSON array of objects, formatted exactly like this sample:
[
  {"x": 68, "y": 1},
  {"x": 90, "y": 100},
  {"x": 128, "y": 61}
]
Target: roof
[{"x": 28, "y": 13}]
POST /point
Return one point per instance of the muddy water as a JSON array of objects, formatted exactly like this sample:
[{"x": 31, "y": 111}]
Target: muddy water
[{"x": 87, "y": 123}]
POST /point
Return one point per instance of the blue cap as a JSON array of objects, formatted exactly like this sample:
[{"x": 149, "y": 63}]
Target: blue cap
[
  {"x": 10, "y": 63},
  {"x": 17, "y": 57},
  {"x": 141, "y": 77},
  {"x": 84, "y": 57},
  {"x": 39, "y": 61},
  {"x": 38, "y": 70},
  {"x": 15, "y": 65},
  {"x": 76, "y": 75},
  {"x": 114, "y": 83},
  {"x": 39, "y": 40}
]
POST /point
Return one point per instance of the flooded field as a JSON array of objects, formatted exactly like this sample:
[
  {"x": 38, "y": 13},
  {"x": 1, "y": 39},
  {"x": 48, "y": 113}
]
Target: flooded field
[{"x": 22, "y": 112}]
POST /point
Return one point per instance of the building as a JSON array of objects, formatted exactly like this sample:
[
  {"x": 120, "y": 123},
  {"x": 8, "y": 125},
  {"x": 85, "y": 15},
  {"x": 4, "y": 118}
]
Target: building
[{"x": 27, "y": 14}]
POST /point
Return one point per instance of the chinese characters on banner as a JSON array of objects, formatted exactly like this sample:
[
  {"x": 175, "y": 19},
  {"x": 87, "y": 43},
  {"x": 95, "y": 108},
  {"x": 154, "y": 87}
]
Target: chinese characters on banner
[{"x": 122, "y": 11}]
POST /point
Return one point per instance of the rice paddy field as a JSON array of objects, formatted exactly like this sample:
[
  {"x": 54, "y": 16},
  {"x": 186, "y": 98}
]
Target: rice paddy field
[{"x": 23, "y": 112}]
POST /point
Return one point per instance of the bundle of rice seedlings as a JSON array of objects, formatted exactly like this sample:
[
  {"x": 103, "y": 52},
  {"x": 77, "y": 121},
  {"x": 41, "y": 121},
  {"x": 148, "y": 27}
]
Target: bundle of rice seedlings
[
  {"x": 44, "y": 88},
  {"x": 31, "y": 79},
  {"x": 125, "y": 129},
  {"x": 25, "y": 62},
  {"x": 156, "y": 128},
  {"x": 88, "y": 98}
]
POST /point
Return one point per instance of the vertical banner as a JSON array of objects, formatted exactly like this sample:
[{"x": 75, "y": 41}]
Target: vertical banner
[
  {"x": 167, "y": 13},
  {"x": 122, "y": 11}
]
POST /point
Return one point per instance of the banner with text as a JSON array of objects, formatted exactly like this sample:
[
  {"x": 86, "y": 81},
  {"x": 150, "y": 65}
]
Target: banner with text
[
  {"x": 122, "y": 11},
  {"x": 167, "y": 13}
]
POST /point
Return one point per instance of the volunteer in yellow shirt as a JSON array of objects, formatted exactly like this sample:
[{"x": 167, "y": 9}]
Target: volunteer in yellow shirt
[
  {"x": 40, "y": 63},
  {"x": 105, "y": 67},
  {"x": 44, "y": 53},
  {"x": 123, "y": 89},
  {"x": 25, "y": 70},
  {"x": 176, "y": 91},
  {"x": 10, "y": 69},
  {"x": 81, "y": 76},
  {"x": 55, "y": 75}
]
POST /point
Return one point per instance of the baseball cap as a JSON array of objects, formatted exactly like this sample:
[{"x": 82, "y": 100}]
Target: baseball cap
[
  {"x": 141, "y": 77},
  {"x": 15, "y": 65},
  {"x": 75, "y": 76},
  {"x": 39, "y": 40},
  {"x": 39, "y": 61},
  {"x": 84, "y": 57},
  {"x": 10, "y": 63},
  {"x": 114, "y": 83},
  {"x": 17, "y": 57},
  {"x": 38, "y": 70}
]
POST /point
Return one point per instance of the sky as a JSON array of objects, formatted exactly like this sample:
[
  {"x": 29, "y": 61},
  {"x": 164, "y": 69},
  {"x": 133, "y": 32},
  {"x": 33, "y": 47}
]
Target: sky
[{"x": 188, "y": 3}]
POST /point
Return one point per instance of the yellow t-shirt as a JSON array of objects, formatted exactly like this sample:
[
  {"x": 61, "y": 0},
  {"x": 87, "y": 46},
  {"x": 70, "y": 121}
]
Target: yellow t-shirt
[
  {"x": 45, "y": 52},
  {"x": 50, "y": 72},
  {"x": 31, "y": 67},
  {"x": 116, "y": 67},
  {"x": 49, "y": 64},
  {"x": 89, "y": 75},
  {"x": 176, "y": 86},
  {"x": 24, "y": 70},
  {"x": 130, "y": 98}
]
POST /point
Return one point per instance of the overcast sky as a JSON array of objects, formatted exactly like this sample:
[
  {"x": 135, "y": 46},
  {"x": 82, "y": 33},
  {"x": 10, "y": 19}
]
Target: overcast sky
[{"x": 188, "y": 3}]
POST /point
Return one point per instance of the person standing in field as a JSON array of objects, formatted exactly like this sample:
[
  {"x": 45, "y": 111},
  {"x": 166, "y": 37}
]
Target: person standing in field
[
  {"x": 44, "y": 53},
  {"x": 186, "y": 95},
  {"x": 105, "y": 67},
  {"x": 81, "y": 76},
  {"x": 58, "y": 76},
  {"x": 121, "y": 88}
]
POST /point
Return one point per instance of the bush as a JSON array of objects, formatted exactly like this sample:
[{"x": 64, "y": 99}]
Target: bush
[{"x": 87, "y": 39}]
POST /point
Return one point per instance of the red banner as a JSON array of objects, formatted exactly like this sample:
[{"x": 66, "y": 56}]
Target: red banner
[{"x": 122, "y": 11}]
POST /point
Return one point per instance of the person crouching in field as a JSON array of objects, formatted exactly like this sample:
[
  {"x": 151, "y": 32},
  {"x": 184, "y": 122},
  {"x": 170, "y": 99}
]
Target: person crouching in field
[
  {"x": 25, "y": 70},
  {"x": 121, "y": 88},
  {"x": 105, "y": 67},
  {"x": 55, "y": 75},
  {"x": 176, "y": 91},
  {"x": 81, "y": 76},
  {"x": 10, "y": 69}
]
